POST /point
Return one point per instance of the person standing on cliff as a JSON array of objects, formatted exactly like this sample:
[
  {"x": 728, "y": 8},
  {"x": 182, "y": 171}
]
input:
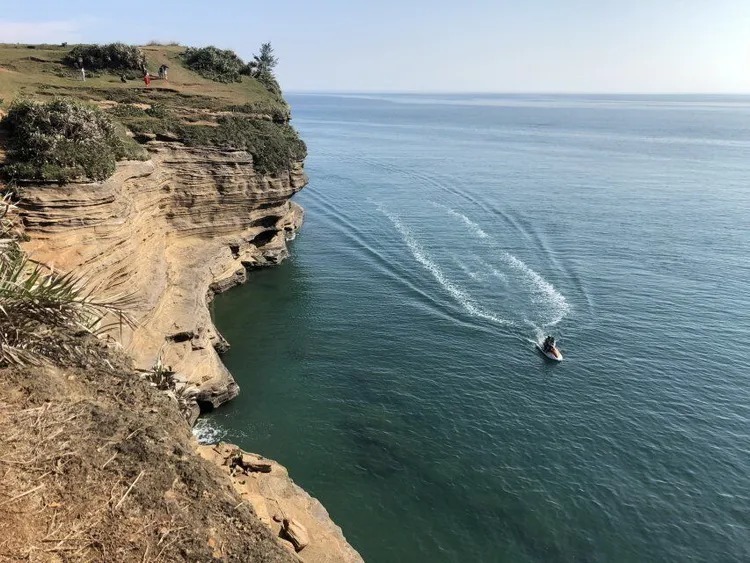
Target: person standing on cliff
[{"x": 147, "y": 79}]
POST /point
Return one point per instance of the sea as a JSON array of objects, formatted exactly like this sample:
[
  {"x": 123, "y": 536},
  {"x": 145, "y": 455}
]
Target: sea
[{"x": 390, "y": 363}]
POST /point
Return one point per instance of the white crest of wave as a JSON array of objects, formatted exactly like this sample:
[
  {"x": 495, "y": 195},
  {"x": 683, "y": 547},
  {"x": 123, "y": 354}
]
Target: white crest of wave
[{"x": 424, "y": 259}]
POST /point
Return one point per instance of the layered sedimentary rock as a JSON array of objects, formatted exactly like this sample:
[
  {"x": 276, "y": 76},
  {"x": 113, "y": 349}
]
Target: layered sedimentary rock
[{"x": 168, "y": 233}]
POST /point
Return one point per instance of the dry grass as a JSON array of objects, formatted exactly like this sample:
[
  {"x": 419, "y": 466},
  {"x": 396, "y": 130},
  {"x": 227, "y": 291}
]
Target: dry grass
[
  {"x": 94, "y": 466},
  {"x": 38, "y": 457}
]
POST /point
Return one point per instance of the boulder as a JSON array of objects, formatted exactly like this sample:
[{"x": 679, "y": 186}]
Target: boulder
[
  {"x": 295, "y": 533},
  {"x": 254, "y": 463}
]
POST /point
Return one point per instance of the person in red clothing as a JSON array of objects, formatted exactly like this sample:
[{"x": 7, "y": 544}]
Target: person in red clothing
[{"x": 147, "y": 79}]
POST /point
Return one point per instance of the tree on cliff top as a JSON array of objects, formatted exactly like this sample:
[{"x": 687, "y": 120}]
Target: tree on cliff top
[
  {"x": 261, "y": 68},
  {"x": 265, "y": 61}
]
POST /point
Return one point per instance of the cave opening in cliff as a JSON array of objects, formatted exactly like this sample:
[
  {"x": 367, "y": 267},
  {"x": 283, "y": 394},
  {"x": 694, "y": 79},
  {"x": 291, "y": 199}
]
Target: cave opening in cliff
[
  {"x": 266, "y": 222},
  {"x": 263, "y": 238},
  {"x": 205, "y": 406}
]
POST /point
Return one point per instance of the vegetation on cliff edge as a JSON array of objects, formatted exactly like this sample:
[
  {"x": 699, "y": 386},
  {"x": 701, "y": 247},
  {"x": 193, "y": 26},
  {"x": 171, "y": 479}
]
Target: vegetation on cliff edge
[
  {"x": 63, "y": 140},
  {"x": 273, "y": 145},
  {"x": 249, "y": 115},
  {"x": 113, "y": 57},
  {"x": 224, "y": 65},
  {"x": 220, "y": 65}
]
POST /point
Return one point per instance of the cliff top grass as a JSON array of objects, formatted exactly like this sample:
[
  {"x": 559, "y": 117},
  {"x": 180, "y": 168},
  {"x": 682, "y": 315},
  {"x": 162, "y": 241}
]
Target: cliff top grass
[
  {"x": 247, "y": 113},
  {"x": 38, "y": 71}
]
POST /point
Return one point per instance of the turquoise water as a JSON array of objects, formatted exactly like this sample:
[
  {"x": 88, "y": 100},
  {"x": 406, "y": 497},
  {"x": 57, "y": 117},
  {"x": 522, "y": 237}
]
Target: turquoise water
[{"x": 390, "y": 365}]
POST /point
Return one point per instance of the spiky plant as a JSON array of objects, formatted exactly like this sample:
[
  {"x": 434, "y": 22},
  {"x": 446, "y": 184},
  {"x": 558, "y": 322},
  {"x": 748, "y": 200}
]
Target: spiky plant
[
  {"x": 160, "y": 375},
  {"x": 185, "y": 395},
  {"x": 43, "y": 314},
  {"x": 164, "y": 378}
]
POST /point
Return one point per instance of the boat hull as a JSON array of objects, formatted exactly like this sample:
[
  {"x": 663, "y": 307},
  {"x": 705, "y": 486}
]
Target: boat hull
[{"x": 551, "y": 355}]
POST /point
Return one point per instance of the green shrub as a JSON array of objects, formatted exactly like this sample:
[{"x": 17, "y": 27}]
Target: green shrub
[
  {"x": 219, "y": 65},
  {"x": 115, "y": 56},
  {"x": 269, "y": 81},
  {"x": 158, "y": 110},
  {"x": 273, "y": 146},
  {"x": 279, "y": 111},
  {"x": 63, "y": 140},
  {"x": 125, "y": 110}
]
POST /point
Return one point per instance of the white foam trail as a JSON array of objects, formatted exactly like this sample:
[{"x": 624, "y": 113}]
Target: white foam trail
[
  {"x": 544, "y": 291},
  {"x": 468, "y": 222},
  {"x": 423, "y": 258},
  {"x": 499, "y": 275},
  {"x": 207, "y": 432},
  {"x": 539, "y": 334},
  {"x": 473, "y": 275}
]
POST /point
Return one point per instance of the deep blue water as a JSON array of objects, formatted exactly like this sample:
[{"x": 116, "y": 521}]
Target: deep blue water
[{"x": 389, "y": 364}]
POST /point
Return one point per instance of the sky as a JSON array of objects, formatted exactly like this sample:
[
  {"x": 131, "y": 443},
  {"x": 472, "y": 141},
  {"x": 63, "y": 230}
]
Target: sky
[{"x": 561, "y": 46}]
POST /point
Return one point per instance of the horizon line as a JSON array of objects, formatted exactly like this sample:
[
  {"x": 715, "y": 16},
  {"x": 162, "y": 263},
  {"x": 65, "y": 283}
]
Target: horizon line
[{"x": 515, "y": 92}]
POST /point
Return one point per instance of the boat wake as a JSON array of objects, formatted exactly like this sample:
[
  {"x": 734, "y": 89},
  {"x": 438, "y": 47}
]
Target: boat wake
[
  {"x": 543, "y": 292},
  {"x": 421, "y": 255},
  {"x": 529, "y": 297},
  {"x": 476, "y": 229}
]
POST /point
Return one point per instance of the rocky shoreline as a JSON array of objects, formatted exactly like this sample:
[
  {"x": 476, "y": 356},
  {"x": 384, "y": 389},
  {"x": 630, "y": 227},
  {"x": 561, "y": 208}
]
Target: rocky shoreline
[{"x": 291, "y": 514}]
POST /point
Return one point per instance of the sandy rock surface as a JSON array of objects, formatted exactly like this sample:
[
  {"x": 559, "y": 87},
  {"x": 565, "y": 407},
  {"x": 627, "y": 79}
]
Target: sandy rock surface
[
  {"x": 296, "y": 518},
  {"x": 169, "y": 232}
]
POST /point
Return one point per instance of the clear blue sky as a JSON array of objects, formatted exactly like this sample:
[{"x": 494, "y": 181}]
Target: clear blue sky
[{"x": 421, "y": 45}]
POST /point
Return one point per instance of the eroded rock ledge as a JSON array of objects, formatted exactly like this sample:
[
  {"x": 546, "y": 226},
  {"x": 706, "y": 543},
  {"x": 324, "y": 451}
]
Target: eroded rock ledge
[
  {"x": 169, "y": 232},
  {"x": 299, "y": 521}
]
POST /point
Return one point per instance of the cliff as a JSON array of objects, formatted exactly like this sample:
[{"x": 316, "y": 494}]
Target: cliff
[
  {"x": 211, "y": 199},
  {"x": 169, "y": 231}
]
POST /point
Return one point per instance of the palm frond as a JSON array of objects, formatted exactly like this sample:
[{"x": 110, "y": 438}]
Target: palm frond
[{"x": 42, "y": 312}]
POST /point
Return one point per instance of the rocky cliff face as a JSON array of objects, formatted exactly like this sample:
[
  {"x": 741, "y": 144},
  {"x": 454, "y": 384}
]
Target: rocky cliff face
[{"x": 169, "y": 232}]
